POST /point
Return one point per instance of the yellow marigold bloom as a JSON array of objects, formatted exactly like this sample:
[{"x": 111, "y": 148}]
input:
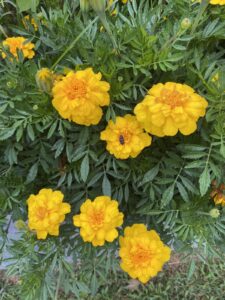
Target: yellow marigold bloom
[
  {"x": 19, "y": 43},
  {"x": 98, "y": 220},
  {"x": 219, "y": 199},
  {"x": 170, "y": 107},
  {"x": 125, "y": 138},
  {"x": 46, "y": 211},
  {"x": 213, "y": 2},
  {"x": 80, "y": 95},
  {"x": 219, "y": 2},
  {"x": 142, "y": 252},
  {"x": 27, "y": 19}
]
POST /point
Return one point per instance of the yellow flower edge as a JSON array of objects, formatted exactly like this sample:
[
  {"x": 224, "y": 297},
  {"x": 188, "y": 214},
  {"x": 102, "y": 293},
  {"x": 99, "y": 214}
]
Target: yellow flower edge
[
  {"x": 18, "y": 43},
  {"x": 46, "y": 211},
  {"x": 79, "y": 96},
  {"x": 98, "y": 220},
  {"x": 125, "y": 138},
  {"x": 213, "y": 2},
  {"x": 169, "y": 108},
  {"x": 142, "y": 252}
]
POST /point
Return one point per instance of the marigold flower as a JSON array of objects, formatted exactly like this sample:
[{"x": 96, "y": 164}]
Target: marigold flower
[
  {"x": 125, "y": 138},
  {"x": 46, "y": 211},
  {"x": 219, "y": 198},
  {"x": 213, "y": 2},
  {"x": 98, "y": 220},
  {"x": 18, "y": 43},
  {"x": 170, "y": 107},
  {"x": 80, "y": 95},
  {"x": 142, "y": 252},
  {"x": 27, "y": 19}
]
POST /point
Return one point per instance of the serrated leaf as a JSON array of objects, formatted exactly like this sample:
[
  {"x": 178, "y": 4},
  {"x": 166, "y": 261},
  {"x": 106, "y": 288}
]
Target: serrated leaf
[
  {"x": 6, "y": 133},
  {"x": 168, "y": 195},
  {"x": 32, "y": 173},
  {"x": 84, "y": 168},
  {"x": 106, "y": 186},
  {"x": 151, "y": 174},
  {"x": 222, "y": 149},
  {"x": 204, "y": 181}
]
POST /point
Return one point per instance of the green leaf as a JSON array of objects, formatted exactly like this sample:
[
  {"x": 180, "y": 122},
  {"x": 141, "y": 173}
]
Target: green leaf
[
  {"x": 27, "y": 4},
  {"x": 32, "y": 173},
  {"x": 222, "y": 149},
  {"x": 168, "y": 195},
  {"x": 84, "y": 169},
  {"x": 151, "y": 174},
  {"x": 204, "y": 181},
  {"x": 6, "y": 133},
  {"x": 106, "y": 186}
]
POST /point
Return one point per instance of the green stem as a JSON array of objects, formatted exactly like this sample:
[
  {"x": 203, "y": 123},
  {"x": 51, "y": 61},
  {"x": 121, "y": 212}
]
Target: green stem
[
  {"x": 102, "y": 17},
  {"x": 73, "y": 43}
]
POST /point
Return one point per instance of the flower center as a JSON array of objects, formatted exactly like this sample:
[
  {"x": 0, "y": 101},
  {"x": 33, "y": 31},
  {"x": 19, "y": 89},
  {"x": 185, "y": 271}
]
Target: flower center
[
  {"x": 124, "y": 137},
  {"x": 76, "y": 89},
  {"x": 172, "y": 98},
  {"x": 141, "y": 256},
  {"x": 42, "y": 212},
  {"x": 97, "y": 219}
]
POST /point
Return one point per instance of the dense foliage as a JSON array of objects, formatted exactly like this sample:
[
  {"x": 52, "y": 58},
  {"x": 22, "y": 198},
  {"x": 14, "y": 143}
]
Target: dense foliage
[{"x": 167, "y": 186}]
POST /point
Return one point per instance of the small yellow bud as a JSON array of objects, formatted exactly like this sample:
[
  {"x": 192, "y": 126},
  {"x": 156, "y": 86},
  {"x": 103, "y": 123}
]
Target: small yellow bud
[
  {"x": 98, "y": 5},
  {"x": 84, "y": 5},
  {"x": 214, "y": 213},
  {"x": 186, "y": 23},
  {"x": 20, "y": 224},
  {"x": 45, "y": 80}
]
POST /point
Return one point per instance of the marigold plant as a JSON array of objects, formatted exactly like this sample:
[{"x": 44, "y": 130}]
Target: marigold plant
[
  {"x": 169, "y": 108},
  {"x": 18, "y": 43},
  {"x": 80, "y": 95},
  {"x": 125, "y": 138},
  {"x": 98, "y": 220},
  {"x": 142, "y": 252},
  {"x": 46, "y": 211}
]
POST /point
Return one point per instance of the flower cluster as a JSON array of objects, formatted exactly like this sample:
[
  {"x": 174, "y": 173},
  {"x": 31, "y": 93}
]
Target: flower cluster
[
  {"x": 18, "y": 43},
  {"x": 169, "y": 108},
  {"x": 98, "y": 220},
  {"x": 46, "y": 211},
  {"x": 142, "y": 252},
  {"x": 80, "y": 95},
  {"x": 125, "y": 138}
]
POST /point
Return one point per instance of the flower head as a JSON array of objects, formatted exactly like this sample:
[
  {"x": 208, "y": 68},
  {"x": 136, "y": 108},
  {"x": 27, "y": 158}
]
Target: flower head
[
  {"x": 80, "y": 95},
  {"x": 170, "y": 107},
  {"x": 142, "y": 252},
  {"x": 217, "y": 193},
  {"x": 18, "y": 43},
  {"x": 98, "y": 220},
  {"x": 213, "y": 2},
  {"x": 46, "y": 211},
  {"x": 125, "y": 138}
]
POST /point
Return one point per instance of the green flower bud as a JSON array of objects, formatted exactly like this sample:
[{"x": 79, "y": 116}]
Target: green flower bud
[
  {"x": 214, "y": 213},
  {"x": 45, "y": 80},
  {"x": 35, "y": 107},
  {"x": 20, "y": 224},
  {"x": 98, "y": 5},
  {"x": 186, "y": 23},
  {"x": 84, "y": 5}
]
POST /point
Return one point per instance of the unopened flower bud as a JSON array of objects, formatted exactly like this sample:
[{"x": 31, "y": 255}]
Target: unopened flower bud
[
  {"x": 186, "y": 23},
  {"x": 98, "y": 5},
  {"x": 45, "y": 80},
  {"x": 84, "y": 5},
  {"x": 20, "y": 224},
  {"x": 35, "y": 107},
  {"x": 214, "y": 213}
]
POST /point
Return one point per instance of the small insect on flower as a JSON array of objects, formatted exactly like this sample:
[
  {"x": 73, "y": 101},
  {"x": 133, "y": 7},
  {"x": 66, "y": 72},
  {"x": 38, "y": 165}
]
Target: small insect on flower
[{"x": 121, "y": 139}]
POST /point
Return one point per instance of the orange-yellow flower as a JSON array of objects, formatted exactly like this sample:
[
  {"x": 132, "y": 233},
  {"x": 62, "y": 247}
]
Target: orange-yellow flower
[
  {"x": 46, "y": 211},
  {"x": 125, "y": 138},
  {"x": 213, "y": 2},
  {"x": 142, "y": 252},
  {"x": 98, "y": 220},
  {"x": 80, "y": 95},
  {"x": 18, "y": 43},
  {"x": 170, "y": 107}
]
